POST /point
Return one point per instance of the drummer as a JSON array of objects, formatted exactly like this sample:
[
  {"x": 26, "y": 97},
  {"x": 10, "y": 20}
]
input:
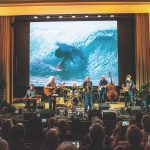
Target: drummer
[
  {"x": 74, "y": 88},
  {"x": 75, "y": 93}
]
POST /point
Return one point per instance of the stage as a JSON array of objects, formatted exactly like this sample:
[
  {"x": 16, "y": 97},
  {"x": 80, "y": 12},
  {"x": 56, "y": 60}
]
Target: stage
[{"x": 112, "y": 105}]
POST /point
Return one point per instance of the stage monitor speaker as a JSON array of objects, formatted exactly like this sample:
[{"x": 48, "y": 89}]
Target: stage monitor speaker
[
  {"x": 28, "y": 115},
  {"x": 93, "y": 113},
  {"x": 62, "y": 111},
  {"x": 134, "y": 110},
  {"x": 109, "y": 115},
  {"x": 104, "y": 106},
  {"x": 46, "y": 113}
]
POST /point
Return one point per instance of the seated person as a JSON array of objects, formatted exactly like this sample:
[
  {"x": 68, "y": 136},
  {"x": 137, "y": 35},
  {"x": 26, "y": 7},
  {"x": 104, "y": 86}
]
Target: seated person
[
  {"x": 74, "y": 88},
  {"x": 134, "y": 140},
  {"x": 97, "y": 138},
  {"x": 31, "y": 93}
]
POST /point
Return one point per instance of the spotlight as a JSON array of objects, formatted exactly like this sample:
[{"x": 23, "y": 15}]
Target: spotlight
[
  {"x": 73, "y": 16},
  {"x": 35, "y": 17},
  {"x": 111, "y": 16},
  {"x": 99, "y": 16},
  {"x": 48, "y": 17},
  {"x": 60, "y": 17},
  {"x": 86, "y": 16}
]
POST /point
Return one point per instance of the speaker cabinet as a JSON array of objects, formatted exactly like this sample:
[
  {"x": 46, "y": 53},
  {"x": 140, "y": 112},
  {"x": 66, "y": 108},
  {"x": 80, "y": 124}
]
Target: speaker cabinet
[
  {"x": 134, "y": 110},
  {"x": 46, "y": 113},
  {"x": 93, "y": 113},
  {"x": 29, "y": 115},
  {"x": 109, "y": 115}
]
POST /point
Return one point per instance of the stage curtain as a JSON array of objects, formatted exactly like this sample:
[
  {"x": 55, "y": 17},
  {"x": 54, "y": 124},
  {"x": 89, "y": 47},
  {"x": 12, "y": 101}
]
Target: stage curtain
[
  {"x": 6, "y": 54},
  {"x": 142, "y": 49}
]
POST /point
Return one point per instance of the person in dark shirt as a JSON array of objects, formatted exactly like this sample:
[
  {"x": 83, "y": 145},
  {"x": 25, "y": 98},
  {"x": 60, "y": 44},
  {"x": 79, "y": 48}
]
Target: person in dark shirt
[
  {"x": 87, "y": 87},
  {"x": 31, "y": 93},
  {"x": 102, "y": 89},
  {"x": 18, "y": 134}
]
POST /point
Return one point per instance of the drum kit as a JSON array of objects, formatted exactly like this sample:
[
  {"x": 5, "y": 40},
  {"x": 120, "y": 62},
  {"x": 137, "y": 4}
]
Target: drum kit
[{"x": 72, "y": 97}]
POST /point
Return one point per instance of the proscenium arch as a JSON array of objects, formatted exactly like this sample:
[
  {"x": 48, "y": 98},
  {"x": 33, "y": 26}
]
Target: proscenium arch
[{"x": 42, "y": 8}]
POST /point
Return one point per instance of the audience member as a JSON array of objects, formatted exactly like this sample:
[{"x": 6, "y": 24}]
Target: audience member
[
  {"x": 1, "y": 122},
  {"x": 51, "y": 140},
  {"x": 18, "y": 134},
  {"x": 146, "y": 127},
  {"x": 147, "y": 147},
  {"x": 52, "y": 122},
  {"x": 76, "y": 126},
  {"x": 134, "y": 139},
  {"x": 96, "y": 119},
  {"x": 35, "y": 130},
  {"x": 138, "y": 119},
  {"x": 4, "y": 145},
  {"x": 97, "y": 136},
  {"x": 7, "y": 127},
  {"x": 119, "y": 134},
  {"x": 67, "y": 146},
  {"x": 63, "y": 128}
]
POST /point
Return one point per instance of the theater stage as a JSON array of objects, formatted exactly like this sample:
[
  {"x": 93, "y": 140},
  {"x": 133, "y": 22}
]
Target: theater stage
[{"x": 112, "y": 105}]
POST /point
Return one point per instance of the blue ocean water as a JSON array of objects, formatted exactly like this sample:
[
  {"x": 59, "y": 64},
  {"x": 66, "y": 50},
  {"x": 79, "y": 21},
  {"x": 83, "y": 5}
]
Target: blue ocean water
[{"x": 72, "y": 50}]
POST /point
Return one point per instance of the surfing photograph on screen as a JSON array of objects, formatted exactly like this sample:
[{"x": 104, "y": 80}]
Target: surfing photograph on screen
[{"x": 72, "y": 50}]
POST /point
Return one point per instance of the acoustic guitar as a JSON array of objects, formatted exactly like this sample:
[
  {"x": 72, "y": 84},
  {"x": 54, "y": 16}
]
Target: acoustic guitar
[{"x": 48, "y": 91}]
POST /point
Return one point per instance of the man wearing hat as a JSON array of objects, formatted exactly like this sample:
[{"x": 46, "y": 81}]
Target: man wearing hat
[{"x": 128, "y": 90}]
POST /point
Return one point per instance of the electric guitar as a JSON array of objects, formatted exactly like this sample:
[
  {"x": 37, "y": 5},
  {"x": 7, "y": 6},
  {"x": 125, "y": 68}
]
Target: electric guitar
[
  {"x": 127, "y": 89},
  {"x": 101, "y": 87},
  {"x": 48, "y": 91}
]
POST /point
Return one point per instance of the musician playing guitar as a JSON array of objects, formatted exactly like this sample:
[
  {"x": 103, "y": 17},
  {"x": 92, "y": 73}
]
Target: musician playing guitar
[
  {"x": 49, "y": 90},
  {"x": 103, "y": 88},
  {"x": 128, "y": 90}
]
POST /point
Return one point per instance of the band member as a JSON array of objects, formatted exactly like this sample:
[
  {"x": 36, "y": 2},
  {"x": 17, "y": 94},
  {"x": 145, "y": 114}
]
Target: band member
[
  {"x": 51, "y": 87},
  {"x": 31, "y": 93},
  {"x": 75, "y": 94},
  {"x": 74, "y": 88},
  {"x": 87, "y": 87},
  {"x": 102, "y": 88},
  {"x": 128, "y": 89}
]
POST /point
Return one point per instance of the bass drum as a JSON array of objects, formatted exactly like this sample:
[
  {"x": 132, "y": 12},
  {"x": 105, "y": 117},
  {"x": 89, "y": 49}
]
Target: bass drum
[{"x": 75, "y": 101}]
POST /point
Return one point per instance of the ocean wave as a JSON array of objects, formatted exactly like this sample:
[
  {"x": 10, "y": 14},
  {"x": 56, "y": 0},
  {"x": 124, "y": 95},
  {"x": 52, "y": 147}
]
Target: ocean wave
[{"x": 93, "y": 55}]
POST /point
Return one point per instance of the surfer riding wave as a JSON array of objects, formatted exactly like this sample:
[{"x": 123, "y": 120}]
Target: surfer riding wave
[{"x": 67, "y": 52}]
